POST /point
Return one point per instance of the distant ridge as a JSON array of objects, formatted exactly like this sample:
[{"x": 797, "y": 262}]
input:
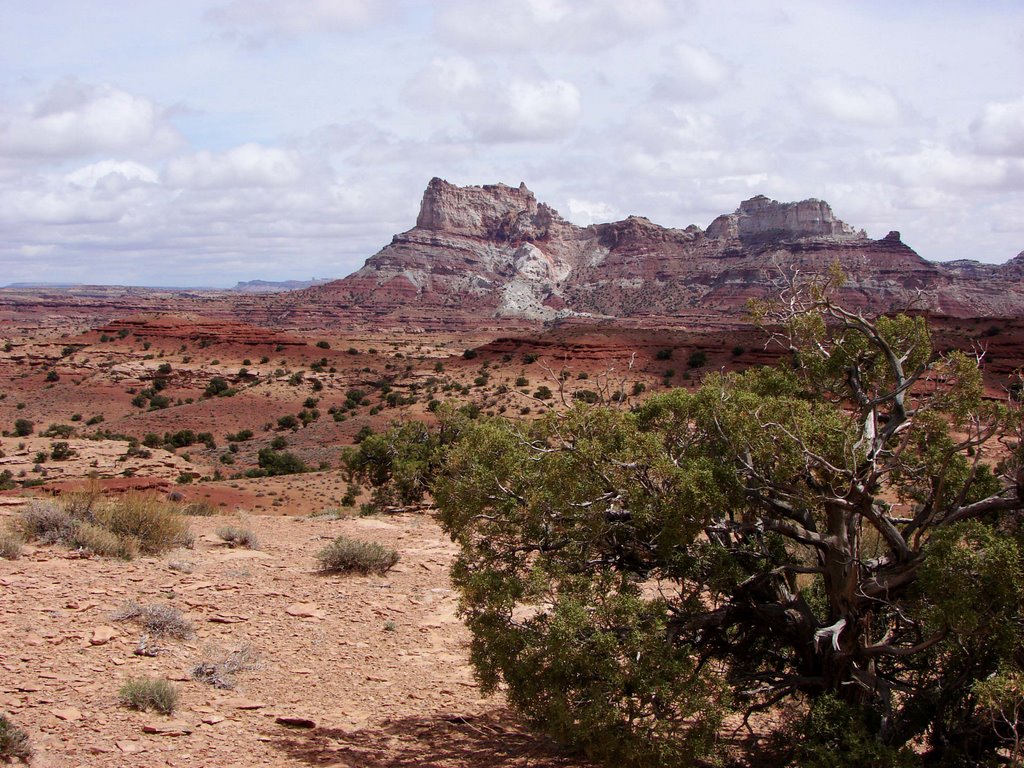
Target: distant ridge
[
  {"x": 270, "y": 286},
  {"x": 493, "y": 251}
]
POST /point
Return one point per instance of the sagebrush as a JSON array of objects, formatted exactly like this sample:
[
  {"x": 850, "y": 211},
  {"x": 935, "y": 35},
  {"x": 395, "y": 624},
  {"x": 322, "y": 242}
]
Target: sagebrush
[
  {"x": 345, "y": 555},
  {"x": 144, "y": 694}
]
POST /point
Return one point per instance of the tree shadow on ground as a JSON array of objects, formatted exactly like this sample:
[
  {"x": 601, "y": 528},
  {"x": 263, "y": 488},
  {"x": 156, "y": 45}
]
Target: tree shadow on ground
[{"x": 435, "y": 741}]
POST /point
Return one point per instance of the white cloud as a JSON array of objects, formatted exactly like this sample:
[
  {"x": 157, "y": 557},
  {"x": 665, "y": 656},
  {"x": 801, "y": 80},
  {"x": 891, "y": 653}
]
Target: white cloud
[
  {"x": 496, "y": 107},
  {"x": 853, "y": 101},
  {"x": 259, "y": 21},
  {"x": 584, "y": 212},
  {"x": 527, "y": 110},
  {"x": 937, "y": 165},
  {"x": 445, "y": 82},
  {"x": 112, "y": 172},
  {"x": 574, "y": 25},
  {"x": 250, "y": 165},
  {"x": 692, "y": 73},
  {"x": 75, "y": 119},
  {"x": 1000, "y": 128}
]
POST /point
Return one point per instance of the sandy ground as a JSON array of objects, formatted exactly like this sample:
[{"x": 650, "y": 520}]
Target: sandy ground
[{"x": 378, "y": 663}]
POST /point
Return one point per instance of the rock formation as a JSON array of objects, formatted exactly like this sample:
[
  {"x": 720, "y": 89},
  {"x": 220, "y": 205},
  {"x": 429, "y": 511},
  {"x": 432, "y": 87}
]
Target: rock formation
[{"x": 495, "y": 252}]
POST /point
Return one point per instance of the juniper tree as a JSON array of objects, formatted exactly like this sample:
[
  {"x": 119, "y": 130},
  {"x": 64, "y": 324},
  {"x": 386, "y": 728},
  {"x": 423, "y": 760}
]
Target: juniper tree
[{"x": 837, "y": 537}]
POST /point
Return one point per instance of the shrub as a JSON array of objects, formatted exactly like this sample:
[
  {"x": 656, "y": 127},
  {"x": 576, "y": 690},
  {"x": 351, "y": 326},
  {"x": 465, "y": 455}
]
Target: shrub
[
  {"x": 23, "y": 427},
  {"x": 238, "y": 537},
  {"x": 219, "y": 668},
  {"x": 199, "y": 509},
  {"x": 345, "y": 555},
  {"x": 217, "y": 387},
  {"x": 288, "y": 422},
  {"x": 663, "y": 354},
  {"x": 698, "y": 359},
  {"x": 100, "y": 541},
  {"x": 14, "y": 744},
  {"x": 323, "y": 345},
  {"x": 469, "y": 354},
  {"x": 146, "y": 693},
  {"x": 154, "y": 524},
  {"x": 158, "y": 620},
  {"x": 280, "y": 462},
  {"x": 61, "y": 451},
  {"x": 47, "y": 522},
  {"x": 10, "y": 545}
]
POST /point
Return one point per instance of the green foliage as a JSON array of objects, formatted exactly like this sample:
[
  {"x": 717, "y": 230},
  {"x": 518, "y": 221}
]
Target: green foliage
[
  {"x": 288, "y": 421},
  {"x": 280, "y": 462},
  {"x": 146, "y": 693},
  {"x": 218, "y": 387},
  {"x": 23, "y": 427},
  {"x": 400, "y": 464},
  {"x": 836, "y": 734},
  {"x": 832, "y": 540}
]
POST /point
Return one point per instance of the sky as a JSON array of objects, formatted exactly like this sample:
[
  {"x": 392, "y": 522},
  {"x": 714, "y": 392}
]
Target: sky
[{"x": 204, "y": 142}]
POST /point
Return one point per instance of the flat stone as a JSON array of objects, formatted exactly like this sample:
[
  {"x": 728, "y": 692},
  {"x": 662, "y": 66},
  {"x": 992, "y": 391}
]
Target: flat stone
[
  {"x": 130, "y": 747},
  {"x": 295, "y": 722},
  {"x": 305, "y": 611},
  {"x": 102, "y": 635},
  {"x": 67, "y": 714},
  {"x": 168, "y": 728},
  {"x": 245, "y": 704}
]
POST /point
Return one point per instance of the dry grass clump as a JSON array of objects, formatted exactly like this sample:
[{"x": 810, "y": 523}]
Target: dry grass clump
[
  {"x": 219, "y": 668},
  {"x": 144, "y": 693},
  {"x": 119, "y": 527},
  {"x": 158, "y": 620},
  {"x": 10, "y": 544},
  {"x": 238, "y": 537},
  {"x": 99, "y": 541},
  {"x": 155, "y": 524},
  {"x": 47, "y": 522},
  {"x": 345, "y": 555},
  {"x": 199, "y": 509},
  {"x": 14, "y": 744}
]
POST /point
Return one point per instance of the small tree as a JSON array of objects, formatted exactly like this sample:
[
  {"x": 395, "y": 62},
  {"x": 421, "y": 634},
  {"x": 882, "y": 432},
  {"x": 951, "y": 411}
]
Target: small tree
[{"x": 836, "y": 533}]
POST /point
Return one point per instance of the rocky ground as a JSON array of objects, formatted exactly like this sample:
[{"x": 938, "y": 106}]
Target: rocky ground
[{"x": 350, "y": 671}]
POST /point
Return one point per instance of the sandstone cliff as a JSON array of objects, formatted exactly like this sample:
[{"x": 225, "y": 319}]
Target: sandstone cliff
[{"x": 495, "y": 252}]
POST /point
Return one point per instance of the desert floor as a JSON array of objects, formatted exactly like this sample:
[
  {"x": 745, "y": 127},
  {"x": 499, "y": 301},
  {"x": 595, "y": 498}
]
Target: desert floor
[{"x": 378, "y": 663}]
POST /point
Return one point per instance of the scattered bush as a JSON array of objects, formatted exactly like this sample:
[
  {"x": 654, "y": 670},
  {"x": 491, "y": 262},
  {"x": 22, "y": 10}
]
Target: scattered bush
[
  {"x": 199, "y": 509},
  {"x": 47, "y": 522},
  {"x": 345, "y": 555},
  {"x": 663, "y": 354},
  {"x": 146, "y": 693},
  {"x": 23, "y": 427},
  {"x": 158, "y": 620},
  {"x": 97, "y": 540},
  {"x": 323, "y": 345},
  {"x": 238, "y": 537},
  {"x": 469, "y": 354},
  {"x": 217, "y": 387},
  {"x": 10, "y": 545},
  {"x": 280, "y": 463},
  {"x": 14, "y": 744},
  {"x": 219, "y": 668},
  {"x": 154, "y": 524},
  {"x": 698, "y": 359}
]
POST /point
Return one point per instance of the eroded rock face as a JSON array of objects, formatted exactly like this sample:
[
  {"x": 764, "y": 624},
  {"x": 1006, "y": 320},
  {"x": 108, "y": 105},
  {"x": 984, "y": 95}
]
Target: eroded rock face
[
  {"x": 761, "y": 215},
  {"x": 493, "y": 251}
]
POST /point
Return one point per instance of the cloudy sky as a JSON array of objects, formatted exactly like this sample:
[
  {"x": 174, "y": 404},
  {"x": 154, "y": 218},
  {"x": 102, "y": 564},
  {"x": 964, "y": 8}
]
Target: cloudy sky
[{"x": 200, "y": 142}]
